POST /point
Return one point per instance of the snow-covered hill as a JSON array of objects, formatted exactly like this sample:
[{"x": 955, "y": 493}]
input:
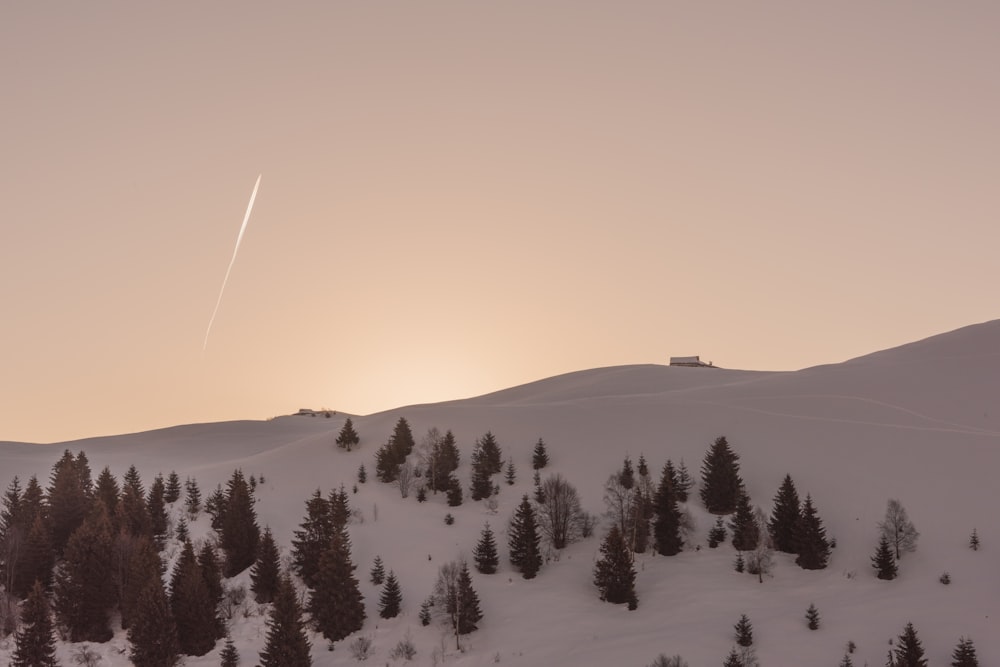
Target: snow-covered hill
[{"x": 920, "y": 423}]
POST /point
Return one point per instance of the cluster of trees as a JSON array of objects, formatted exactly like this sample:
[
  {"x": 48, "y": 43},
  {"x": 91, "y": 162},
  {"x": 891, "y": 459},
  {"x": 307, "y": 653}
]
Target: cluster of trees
[{"x": 94, "y": 548}]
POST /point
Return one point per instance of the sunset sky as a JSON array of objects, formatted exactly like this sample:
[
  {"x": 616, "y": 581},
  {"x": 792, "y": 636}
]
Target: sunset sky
[{"x": 462, "y": 196}]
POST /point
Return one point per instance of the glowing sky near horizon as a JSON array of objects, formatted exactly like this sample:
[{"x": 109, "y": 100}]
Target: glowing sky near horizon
[{"x": 466, "y": 196}]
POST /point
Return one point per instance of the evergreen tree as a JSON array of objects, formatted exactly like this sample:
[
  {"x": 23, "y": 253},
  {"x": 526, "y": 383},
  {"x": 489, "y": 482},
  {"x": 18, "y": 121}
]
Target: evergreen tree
[
  {"x": 108, "y": 492},
  {"x": 191, "y": 605},
  {"x": 490, "y": 451},
  {"x": 421, "y": 494},
  {"x": 510, "y": 474},
  {"x": 812, "y": 617},
  {"x": 883, "y": 560},
  {"x": 68, "y": 501},
  {"x": 33, "y": 562},
  {"x": 215, "y": 506},
  {"x": 211, "y": 573},
  {"x": 84, "y": 585},
  {"x": 810, "y": 541},
  {"x": 482, "y": 487},
  {"x": 717, "y": 535},
  {"x": 348, "y": 437},
  {"x": 34, "y": 644},
  {"x": 336, "y": 605},
  {"x": 240, "y": 532},
  {"x": 467, "y": 613},
  {"x": 626, "y": 476},
  {"x": 133, "y": 514},
  {"x": 846, "y": 661},
  {"x": 485, "y": 553},
  {"x": 443, "y": 460},
  {"x": 642, "y": 467},
  {"x": 286, "y": 644},
  {"x": 391, "y": 598},
  {"x": 153, "y": 633},
  {"x": 666, "y": 529},
  {"x": 785, "y": 517},
  {"x": 964, "y": 654},
  {"x": 402, "y": 440},
  {"x": 172, "y": 490},
  {"x": 10, "y": 514},
  {"x": 340, "y": 509},
  {"x": 909, "y": 652},
  {"x": 733, "y": 659},
  {"x": 425, "y": 613},
  {"x": 181, "y": 533},
  {"x": 614, "y": 575},
  {"x": 229, "y": 657},
  {"x": 137, "y": 562},
  {"x": 740, "y": 565},
  {"x": 192, "y": 497},
  {"x": 386, "y": 464},
  {"x": 746, "y": 533},
  {"x": 540, "y": 457},
  {"x": 744, "y": 631},
  {"x": 721, "y": 483},
  {"x": 454, "y": 491},
  {"x": 524, "y": 540},
  {"x": 266, "y": 573},
  {"x": 377, "y": 574},
  {"x": 157, "y": 505},
  {"x": 974, "y": 540},
  {"x": 539, "y": 490},
  {"x": 362, "y": 474},
  {"x": 684, "y": 483},
  {"x": 312, "y": 539},
  {"x": 639, "y": 516}
]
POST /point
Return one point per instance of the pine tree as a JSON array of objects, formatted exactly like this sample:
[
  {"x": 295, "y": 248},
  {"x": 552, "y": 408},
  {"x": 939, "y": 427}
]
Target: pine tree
[
  {"x": 132, "y": 516},
  {"x": 377, "y": 574},
  {"x": 684, "y": 483},
  {"x": 524, "y": 540},
  {"x": 468, "y": 613},
  {"x": 485, "y": 553},
  {"x": 172, "y": 490},
  {"x": 614, "y": 575},
  {"x": 192, "y": 497},
  {"x": 107, "y": 491},
  {"x": 386, "y": 464},
  {"x": 746, "y": 533},
  {"x": 266, "y": 573},
  {"x": 454, "y": 491},
  {"x": 336, "y": 605},
  {"x": 717, "y": 535},
  {"x": 721, "y": 483},
  {"x": 740, "y": 565},
  {"x": 540, "y": 457},
  {"x": 909, "y": 652},
  {"x": 229, "y": 657},
  {"x": 425, "y": 613},
  {"x": 402, "y": 440},
  {"x": 362, "y": 474},
  {"x": 974, "y": 540},
  {"x": 348, "y": 437},
  {"x": 34, "y": 644},
  {"x": 785, "y": 517},
  {"x": 137, "y": 563},
  {"x": 215, "y": 506},
  {"x": 68, "y": 501},
  {"x": 733, "y": 659},
  {"x": 744, "y": 631},
  {"x": 312, "y": 539},
  {"x": 211, "y": 573},
  {"x": 490, "y": 450},
  {"x": 192, "y": 606},
  {"x": 812, "y": 617},
  {"x": 421, "y": 494},
  {"x": 883, "y": 560},
  {"x": 391, "y": 598},
  {"x": 240, "y": 532},
  {"x": 153, "y": 633},
  {"x": 157, "y": 505},
  {"x": 84, "y": 585},
  {"x": 510, "y": 474},
  {"x": 846, "y": 661},
  {"x": 666, "y": 529},
  {"x": 181, "y": 533},
  {"x": 640, "y": 513},
  {"x": 34, "y": 561},
  {"x": 286, "y": 644},
  {"x": 964, "y": 654},
  {"x": 481, "y": 487},
  {"x": 626, "y": 476},
  {"x": 810, "y": 541},
  {"x": 539, "y": 489}
]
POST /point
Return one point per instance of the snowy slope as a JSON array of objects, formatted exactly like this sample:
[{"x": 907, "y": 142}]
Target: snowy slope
[{"x": 919, "y": 423}]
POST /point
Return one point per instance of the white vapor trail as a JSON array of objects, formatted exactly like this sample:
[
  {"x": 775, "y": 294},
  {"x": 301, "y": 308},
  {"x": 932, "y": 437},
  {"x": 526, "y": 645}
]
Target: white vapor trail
[{"x": 243, "y": 228}]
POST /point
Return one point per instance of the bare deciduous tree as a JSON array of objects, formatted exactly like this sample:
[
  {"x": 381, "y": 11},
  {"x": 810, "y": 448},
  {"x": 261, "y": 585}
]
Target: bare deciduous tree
[
  {"x": 560, "y": 515},
  {"x": 618, "y": 499},
  {"x": 405, "y": 479},
  {"x": 898, "y": 529}
]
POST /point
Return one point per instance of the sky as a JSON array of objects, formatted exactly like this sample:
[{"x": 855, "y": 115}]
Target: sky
[{"x": 461, "y": 197}]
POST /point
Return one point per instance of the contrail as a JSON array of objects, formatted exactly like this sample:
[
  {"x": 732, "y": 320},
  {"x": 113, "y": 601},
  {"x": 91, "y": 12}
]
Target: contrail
[{"x": 243, "y": 228}]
